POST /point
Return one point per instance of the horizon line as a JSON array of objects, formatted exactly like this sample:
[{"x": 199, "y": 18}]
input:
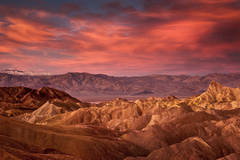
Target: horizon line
[{"x": 156, "y": 74}]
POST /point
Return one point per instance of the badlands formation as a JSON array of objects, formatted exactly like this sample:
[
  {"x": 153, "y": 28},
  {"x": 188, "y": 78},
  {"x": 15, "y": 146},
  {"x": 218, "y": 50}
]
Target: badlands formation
[{"x": 47, "y": 124}]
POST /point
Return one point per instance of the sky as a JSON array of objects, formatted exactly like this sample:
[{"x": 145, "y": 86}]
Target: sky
[{"x": 121, "y": 37}]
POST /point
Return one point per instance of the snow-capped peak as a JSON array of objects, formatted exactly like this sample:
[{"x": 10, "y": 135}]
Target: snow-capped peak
[{"x": 21, "y": 72}]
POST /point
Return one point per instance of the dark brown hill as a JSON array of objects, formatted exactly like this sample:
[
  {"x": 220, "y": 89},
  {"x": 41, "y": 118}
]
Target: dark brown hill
[{"x": 18, "y": 100}]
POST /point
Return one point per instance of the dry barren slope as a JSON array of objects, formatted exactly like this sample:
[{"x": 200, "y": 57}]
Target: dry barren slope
[{"x": 86, "y": 142}]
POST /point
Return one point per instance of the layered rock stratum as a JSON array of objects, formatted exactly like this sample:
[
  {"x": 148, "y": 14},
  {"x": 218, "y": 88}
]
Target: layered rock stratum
[{"x": 205, "y": 126}]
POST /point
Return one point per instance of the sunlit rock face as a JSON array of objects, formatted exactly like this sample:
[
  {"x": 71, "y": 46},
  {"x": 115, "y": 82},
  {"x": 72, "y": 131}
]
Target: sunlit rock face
[
  {"x": 206, "y": 126},
  {"x": 218, "y": 97}
]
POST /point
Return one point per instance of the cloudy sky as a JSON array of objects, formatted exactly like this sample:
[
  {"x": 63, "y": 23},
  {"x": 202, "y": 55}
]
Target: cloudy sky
[{"x": 120, "y": 37}]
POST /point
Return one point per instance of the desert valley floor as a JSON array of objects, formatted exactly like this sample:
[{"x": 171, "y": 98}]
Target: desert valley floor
[{"x": 48, "y": 124}]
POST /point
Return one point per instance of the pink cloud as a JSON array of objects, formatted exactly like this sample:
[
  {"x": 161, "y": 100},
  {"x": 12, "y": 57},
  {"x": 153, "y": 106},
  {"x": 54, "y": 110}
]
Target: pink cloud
[{"x": 154, "y": 40}]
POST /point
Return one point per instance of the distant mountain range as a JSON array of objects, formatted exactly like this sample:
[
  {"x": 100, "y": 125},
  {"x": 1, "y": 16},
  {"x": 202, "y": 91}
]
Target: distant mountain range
[{"x": 96, "y": 87}]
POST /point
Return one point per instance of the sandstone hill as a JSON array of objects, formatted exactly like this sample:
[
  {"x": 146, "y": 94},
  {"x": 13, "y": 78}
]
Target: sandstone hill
[{"x": 217, "y": 96}]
